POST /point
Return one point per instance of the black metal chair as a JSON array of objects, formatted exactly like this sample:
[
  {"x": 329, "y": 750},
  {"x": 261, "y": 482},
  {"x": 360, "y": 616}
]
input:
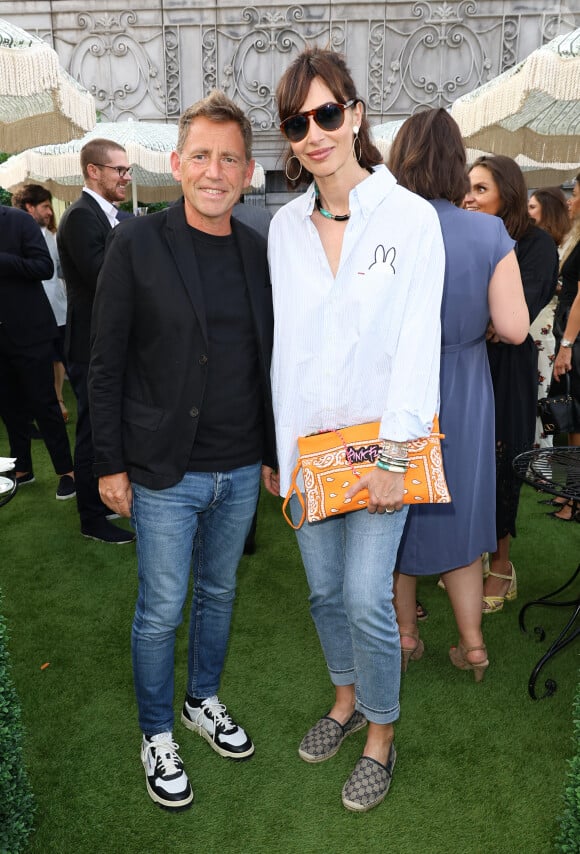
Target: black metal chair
[{"x": 556, "y": 471}]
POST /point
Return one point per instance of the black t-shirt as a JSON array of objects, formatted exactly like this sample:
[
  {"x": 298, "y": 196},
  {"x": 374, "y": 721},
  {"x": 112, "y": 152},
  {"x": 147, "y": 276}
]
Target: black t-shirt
[{"x": 230, "y": 433}]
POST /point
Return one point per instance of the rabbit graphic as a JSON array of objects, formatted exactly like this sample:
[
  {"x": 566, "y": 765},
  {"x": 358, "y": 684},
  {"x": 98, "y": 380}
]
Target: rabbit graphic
[{"x": 385, "y": 258}]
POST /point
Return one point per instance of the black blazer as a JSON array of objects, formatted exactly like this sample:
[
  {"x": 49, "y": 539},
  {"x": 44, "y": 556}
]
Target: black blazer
[
  {"x": 25, "y": 313},
  {"x": 149, "y": 347},
  {"x": 81, "y": 238}
]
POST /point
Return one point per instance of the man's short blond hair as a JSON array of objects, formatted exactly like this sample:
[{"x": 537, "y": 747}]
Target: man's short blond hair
[{"x": 217, "y": 107}]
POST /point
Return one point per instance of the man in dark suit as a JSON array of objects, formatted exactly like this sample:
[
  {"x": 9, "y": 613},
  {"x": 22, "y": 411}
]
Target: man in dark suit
[
  {"x": 27, "y": 332},
  {"x": 81, "y": 239},
  {"x": 182, "y": 420}
]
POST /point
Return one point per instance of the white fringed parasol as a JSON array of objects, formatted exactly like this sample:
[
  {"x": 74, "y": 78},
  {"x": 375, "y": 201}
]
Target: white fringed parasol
[
  {"x": 40, "y": 102},
  {"x": 531, "y": 110}
]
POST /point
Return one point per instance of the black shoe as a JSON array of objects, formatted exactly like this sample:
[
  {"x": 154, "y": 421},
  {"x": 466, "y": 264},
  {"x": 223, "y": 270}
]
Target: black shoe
[
  {"x": 23, "y": 479},
  {"x": 210, "y": 719},
  {"x": 66, "y": 488},
  {"x": 167, "y": 782},
  {"x": 104, "y": 532}
]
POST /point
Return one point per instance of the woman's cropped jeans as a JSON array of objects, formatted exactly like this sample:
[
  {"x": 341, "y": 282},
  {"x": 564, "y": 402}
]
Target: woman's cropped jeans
[{"x": 349, "y": 562}]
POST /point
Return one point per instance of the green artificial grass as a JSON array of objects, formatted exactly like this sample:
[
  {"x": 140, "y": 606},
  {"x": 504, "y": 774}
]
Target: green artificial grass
[{"x": 481, "y": 768}]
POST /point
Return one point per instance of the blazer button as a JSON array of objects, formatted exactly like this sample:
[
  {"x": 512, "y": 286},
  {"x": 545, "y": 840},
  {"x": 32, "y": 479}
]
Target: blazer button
[
  {"x": 203, "y": 359},
  {"x": 194, "y": 412}
]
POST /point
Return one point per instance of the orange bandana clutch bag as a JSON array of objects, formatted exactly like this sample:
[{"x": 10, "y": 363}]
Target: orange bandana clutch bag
[{"x": 332, "y": 461}]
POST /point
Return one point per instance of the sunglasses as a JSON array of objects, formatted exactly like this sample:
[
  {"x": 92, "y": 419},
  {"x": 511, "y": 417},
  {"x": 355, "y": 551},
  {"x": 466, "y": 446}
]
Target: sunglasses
[
  {"x": 327, "y": 117},
  {"x": 120, "y": 170}
]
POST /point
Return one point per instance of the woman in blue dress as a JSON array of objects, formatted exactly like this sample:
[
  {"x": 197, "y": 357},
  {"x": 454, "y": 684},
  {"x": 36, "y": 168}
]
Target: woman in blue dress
[{"x": 481, "y": 280}]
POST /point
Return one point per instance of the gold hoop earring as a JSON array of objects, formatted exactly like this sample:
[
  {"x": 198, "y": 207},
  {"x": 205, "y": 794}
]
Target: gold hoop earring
[
  {"x": 296, "y": 177},
  {"x": 357, "y": 154}
]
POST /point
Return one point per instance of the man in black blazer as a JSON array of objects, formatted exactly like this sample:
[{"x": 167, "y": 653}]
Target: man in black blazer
[
  {"x": 27, "y": 332},
  {"x": 81, "y": 239},
  {"x": 182, "y": 421}
]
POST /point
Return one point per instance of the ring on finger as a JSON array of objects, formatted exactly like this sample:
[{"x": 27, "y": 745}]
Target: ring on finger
[{"x": 389, "y": 512}]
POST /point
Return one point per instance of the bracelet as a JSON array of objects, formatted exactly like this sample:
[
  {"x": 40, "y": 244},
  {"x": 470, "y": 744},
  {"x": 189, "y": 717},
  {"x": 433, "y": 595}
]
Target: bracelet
[
  {"x": 397, "y": 461},
  {"x": 397, "y": 450},
  {"x": 389, "y": 467}
]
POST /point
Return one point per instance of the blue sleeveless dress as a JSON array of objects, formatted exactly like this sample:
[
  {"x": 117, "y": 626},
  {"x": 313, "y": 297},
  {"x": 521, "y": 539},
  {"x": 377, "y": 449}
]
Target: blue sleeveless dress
[{"x": 442, "y": 537}]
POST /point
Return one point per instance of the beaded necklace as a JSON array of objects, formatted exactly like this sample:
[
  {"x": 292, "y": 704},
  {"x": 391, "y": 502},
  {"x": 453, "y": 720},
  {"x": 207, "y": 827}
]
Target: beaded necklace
[{"x": 324, "y": 212}]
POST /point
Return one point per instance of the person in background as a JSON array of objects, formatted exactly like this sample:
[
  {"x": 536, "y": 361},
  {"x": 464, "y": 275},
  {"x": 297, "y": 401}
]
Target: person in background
[
  {"x": 482, "y": 278},
  {"x": 182, "y": 419},
  {"x": 27, "y": 333},
  {"x": 548, "y": 208},
  {"x": 498, "y": 188},
  {"x": 567, "y": 329},
  {"x": 357, "y": 337},
  {"x": 37, "y": 201},
  {"x": 81, "y": 238}
]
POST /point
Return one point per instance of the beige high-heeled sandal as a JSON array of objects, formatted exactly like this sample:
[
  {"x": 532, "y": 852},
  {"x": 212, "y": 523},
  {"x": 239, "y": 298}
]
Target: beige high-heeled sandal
[
  {"x": 458, "y": 655},
  {"x": 495, "y": 603},
  {"x": 413, "y": 653}
]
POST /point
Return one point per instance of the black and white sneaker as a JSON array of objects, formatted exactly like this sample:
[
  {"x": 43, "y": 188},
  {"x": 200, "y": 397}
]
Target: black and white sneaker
[
  {"x": 210, "y": 719},
  {"x": 167, "y": 781}
]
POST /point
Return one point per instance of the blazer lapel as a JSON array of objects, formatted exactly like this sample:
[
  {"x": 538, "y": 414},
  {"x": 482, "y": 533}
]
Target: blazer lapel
[
  {"x": 87, "y": 199},
  {"x": 181, "y": 247}
]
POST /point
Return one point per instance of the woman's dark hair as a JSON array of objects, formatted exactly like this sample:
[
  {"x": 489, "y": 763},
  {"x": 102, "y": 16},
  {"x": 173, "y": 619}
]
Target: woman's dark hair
[
  {"x": 511, "y": 186},
  {"x": 292, "y": 91},
  {"x": 555, "y": 217},
  {"x": 428, "y": 157}
]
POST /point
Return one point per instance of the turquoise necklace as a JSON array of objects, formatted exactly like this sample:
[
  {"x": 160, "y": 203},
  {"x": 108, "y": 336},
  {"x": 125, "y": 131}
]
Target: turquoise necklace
[{"x": 324, "y": 212}]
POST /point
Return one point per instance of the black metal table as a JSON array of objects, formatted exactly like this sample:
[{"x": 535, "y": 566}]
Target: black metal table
[{"x": 556, "y": 471}]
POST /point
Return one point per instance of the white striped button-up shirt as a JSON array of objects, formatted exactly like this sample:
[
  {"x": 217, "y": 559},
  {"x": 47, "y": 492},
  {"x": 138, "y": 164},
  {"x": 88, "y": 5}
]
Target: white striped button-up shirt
[{"x": 364, "y": 346}]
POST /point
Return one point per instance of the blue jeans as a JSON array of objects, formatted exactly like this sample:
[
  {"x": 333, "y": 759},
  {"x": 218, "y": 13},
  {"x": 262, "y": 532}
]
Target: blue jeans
[
  {"x": 209, "y": 513},
  {"x": 349, "y": 562}
]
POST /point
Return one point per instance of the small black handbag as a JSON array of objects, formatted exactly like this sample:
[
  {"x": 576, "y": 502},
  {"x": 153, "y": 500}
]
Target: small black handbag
[{"x": 557, "y": 411}]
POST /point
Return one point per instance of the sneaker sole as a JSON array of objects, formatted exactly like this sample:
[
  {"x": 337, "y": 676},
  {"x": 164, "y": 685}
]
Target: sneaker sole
[
  {"x": 65, "y": 497},
  {"x": 172, "y": 806},
  {"x": 108, "y": 542},
  {"x": 309, "y": 757},
  {"x": 200, "y": 730}
]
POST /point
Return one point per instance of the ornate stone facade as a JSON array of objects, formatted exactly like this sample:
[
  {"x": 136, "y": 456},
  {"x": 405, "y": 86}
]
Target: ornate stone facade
[{"x": 152, "y": 58}]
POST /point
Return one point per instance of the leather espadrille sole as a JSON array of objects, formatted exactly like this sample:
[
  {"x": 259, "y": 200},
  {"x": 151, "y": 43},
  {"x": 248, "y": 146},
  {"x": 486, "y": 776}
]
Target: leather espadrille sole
[
  {"x": 324, "y": 739},
  {"x": 369, "y": 783}
]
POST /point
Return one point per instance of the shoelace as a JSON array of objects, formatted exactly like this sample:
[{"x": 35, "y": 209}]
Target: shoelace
[
  {"x": 166, "y": 757},
  {"x": 219, "y": 714}
]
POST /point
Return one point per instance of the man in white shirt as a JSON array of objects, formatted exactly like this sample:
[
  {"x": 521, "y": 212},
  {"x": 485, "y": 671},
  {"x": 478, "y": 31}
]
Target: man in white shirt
[{"x": 81, "y": 239}]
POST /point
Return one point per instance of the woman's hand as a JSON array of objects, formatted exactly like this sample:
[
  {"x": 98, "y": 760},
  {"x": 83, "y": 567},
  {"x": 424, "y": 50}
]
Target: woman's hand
[
  {"x": 385, "y": 490},
  {"x": 563, "y": 362}
]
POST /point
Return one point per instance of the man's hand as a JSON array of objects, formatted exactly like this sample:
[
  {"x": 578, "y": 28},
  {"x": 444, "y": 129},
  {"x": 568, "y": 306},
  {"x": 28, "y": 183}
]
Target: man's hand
[
  {"x": 385, "y": 490},
  {"x": 271, "y": 480},
  {"x": 115, "y": 490}
]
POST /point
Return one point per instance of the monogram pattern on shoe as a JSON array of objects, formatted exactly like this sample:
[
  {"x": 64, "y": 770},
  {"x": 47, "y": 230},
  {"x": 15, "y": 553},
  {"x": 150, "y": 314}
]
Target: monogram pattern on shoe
[
  {"x": 369, "y": 783},
  {"x": 324, "y": 739}
]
